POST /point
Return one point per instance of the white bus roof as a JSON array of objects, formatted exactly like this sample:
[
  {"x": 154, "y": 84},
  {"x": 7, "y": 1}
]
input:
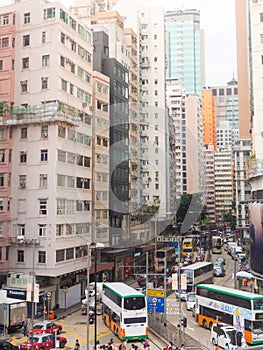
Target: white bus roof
[
  {"x": 122, "y": 289},
  {"x": 227, "y": 290},
  {"x": 197, "y": 265}
]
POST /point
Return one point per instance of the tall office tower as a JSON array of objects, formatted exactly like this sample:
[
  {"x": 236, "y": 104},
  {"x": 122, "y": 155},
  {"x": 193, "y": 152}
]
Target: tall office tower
[
  {"x": 209, "y": 182},
  {"x": 243, "y": 148},
  {"x": 185, "y": 49},
  {"x": 209, "y": 118},
  {"x": 256, "y": 161},
  {"x": 227, "y": 116},
  {"x": 154, "y": 122},
  {"x": 223, "y": 185},
  {"x": 48, "y": 189}
]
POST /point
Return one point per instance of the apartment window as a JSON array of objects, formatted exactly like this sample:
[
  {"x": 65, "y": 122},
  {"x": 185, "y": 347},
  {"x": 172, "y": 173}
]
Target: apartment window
[
  {"x": 20, "y": 256},
  {"x": 61, "y": 206},
  {"x": 43, "y": 206},
  {"x": 60, "y": 255},
  {"x": 23, "y": 157},
  {"x": 45, "y": 60},
  {"x": 71, "y": 89},
  {"x": 1, "y": 204},
  {"x": 26, "y": 40},
  {"x": 61, "y": 180},
  {"x": 13, "y": 64},
  {"x": 5, "y": 19},
  {"x": 44, "y": 155},
  {"x": 1, "y": 64},
  {"x": 42, "y": 230},
  {"x": 44, "y": 37},
  {"x": 25, "y": 62},
  {"x": 22, "y": 181},
  {"x": 5, "y": 42},
  {"x": 62, "y": 61},
  {"x": 261, "y": 17},
  {"x": 59, "y": 230},
  {"x": 44, "y": 83},
  {"x": 41, "y": 257},
  {"x": 1, "y": 229},
  {"x": 61, "y": 156},
  {"x": 63, "y": 38},
  {"x": 24, "y": 85},
  {"x": 44, "y": 131},
  {"x": 21, "y": 230},
  {"x": 69, "y": 253},
  {"x": 61, "y": 131},
  {"x": 155, "y": 36},
  {"x": 2, "y": 179},
  {"x": 43, "y": 180},
  {"x": 27, "y": 18},
  {"x": 2, "y": 155},
  {"x": 64, "y": 85},
  {"x": 49, "y": 12},
  {"x": 23, "y": 133}
]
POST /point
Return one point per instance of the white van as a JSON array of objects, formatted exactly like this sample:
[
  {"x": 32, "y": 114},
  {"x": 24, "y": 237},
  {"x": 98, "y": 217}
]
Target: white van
[{"x": 190, "y": 301}]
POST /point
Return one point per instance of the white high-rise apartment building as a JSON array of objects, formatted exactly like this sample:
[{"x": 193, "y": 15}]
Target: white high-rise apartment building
[{"x": 153, "y": 115}]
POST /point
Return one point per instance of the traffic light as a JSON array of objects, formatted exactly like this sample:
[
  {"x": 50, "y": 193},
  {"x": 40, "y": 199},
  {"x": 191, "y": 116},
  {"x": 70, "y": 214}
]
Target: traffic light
[{"x": 184, "y": 322}]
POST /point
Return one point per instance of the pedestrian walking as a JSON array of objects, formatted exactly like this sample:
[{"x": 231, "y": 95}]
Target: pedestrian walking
[
  {"x": 146, "y": 344},
  {"x": 169, "y": 346},
  {"x": 226, "y": 347},
  {"x": 77, "y": 345},
  {"x": 24, "y": 328},
  {"x": 182, "y": 347}
]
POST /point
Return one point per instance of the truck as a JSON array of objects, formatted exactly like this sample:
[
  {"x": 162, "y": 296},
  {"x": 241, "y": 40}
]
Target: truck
[{"x": 13, "y": 312}]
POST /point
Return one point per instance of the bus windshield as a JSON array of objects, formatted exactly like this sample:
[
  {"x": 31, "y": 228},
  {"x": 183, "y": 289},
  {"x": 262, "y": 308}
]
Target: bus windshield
[{"x": 134, "y": 303}]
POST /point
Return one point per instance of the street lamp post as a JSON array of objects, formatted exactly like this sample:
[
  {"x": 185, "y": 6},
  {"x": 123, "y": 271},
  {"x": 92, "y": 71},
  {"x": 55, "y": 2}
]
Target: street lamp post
[
  {"x": 95, "y": 246},
  {"x": 88, "y": 271}
]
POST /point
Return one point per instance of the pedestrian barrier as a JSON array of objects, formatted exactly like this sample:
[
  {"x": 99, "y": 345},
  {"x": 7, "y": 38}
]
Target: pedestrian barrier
[{"x": 171, "y": 333}]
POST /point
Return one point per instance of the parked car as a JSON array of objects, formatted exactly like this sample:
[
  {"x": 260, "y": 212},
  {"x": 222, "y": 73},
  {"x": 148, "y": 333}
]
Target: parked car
[
  {"x": 5, "y": 345},
  {"x": 46, "y": 327},
  {"x": 222, "y": 334},
  {"x": 43, "y": 341}
]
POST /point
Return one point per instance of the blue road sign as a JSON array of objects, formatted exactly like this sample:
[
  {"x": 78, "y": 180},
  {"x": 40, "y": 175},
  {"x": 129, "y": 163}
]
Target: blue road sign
[{"x": 155, "y": 304}]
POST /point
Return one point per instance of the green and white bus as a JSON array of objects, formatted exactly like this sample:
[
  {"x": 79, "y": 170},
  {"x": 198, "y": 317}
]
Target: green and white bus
[
  {"x": 124, "y": 311},
  {"x": 243, "y": 310}
]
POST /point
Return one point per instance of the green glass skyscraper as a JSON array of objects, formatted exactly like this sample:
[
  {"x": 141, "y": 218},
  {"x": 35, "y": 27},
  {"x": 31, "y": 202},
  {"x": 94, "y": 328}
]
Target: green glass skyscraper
[{"x": 185, "y": 49}]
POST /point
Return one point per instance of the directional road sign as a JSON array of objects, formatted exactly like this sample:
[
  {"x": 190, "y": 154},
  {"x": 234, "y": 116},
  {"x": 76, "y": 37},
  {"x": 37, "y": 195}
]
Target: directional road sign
[
  {"x": 155, "y": 304},
  {"x": 155, "y": 293}
]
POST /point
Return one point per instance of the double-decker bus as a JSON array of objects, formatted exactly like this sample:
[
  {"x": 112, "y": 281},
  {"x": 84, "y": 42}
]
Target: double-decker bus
[
  {"x": 200, "y": 272},
  {"x": 165, "y": 255},
  {"x": 243, "y": 310},
  {"x": 189, "y": 245},
  {"x": 216, "y": 245},
  {"x": 125, "y": 311}
]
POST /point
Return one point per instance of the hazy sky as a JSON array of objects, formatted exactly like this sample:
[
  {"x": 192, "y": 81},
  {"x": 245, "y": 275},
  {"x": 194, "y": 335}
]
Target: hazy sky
[{"x": 218, "y": 22}]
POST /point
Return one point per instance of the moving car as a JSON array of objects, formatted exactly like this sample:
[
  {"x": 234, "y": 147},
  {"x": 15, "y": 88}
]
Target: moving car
[
  {"x": 44, "y": 341},
  {"x": 219, "y": 271},
  {"x": 190, "y": 301},
  {"x": 46, "y": 327},
  {"x": 222, "y": 334}
]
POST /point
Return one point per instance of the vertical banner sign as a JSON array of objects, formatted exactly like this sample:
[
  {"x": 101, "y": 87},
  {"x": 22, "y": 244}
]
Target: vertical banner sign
[
  {"x": 28, "y": 291},
  {"x": 174, "y": 281},
  {"x": 183, "y": 281},
  {"x": 36, "y": 293}
]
